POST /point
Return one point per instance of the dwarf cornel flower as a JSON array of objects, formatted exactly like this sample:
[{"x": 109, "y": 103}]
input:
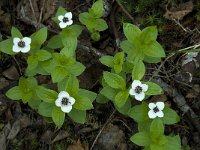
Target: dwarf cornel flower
[
  {"x": 156, "y": 110},
  {"x": 65, "y": 20},
  {"x": 65, "y": 101},
  {"x": 21, "y": 45}
]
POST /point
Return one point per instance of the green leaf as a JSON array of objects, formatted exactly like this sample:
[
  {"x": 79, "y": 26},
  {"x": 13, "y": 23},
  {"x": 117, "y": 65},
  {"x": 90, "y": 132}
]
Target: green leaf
[
  {"x": 97, "y": 8},
  {"x": 132, "y": 32},
  {"x": 153, "y": 89},
  {"x": 138, "y": 70},
  {"x": 58, "y": 74},
  {"x": 69, "y": 40},
  {"x": 125, "y": 108},
  {"x": 6, "y": 46},
  {"x": 149, "y": 34},
  {"x": 121, "y": 98},
  {"x": 118, "y": 62},
  {"x": 69, "y": 51},
  {"x": 89, "y": 94},
  {"x": 78, "y": 116},
  {"x": 150, "y": 59},
  {"x": 134, "y": 52},
  {"x": 82, "y": 103},
  {"x": 34, "y": 102},
  {"x": 155, "y": 146},
  {"x": 100, "y": 25},
  {"x": 45, "y": 109},
  {"x": 60, "y": 11},
  {"x": 87, "y": 19},
  {"x": 46, "y": 95},
  {"x": 76, "y": 69},
  {"x": 114, "y": 80},
  {"x": 16, "y": 33},
  {"x": 25, "y": 88},
  {"x": 32, "y": 61},
  {"x": 173, "y": 143},
  {"x": 38, "y": 38},
  {"x": 55, "y": 42},
  {"x": 139, "y": 112},
  {"x": 141, "y": 139},
  {"x": 107, "y": 60},
  {"x": 75, "y": 29},
  {"x": 170, "y": 116},
  {"x": 14, "y": 93},
  {"x": 43, "y": 55},
  {"x": 109, "y": 92},
  {"x": 156, "y": 128},
  {"x": 58, "y": 116},
  {"x": 72, "y": 86},
  {"x": 102, "y": 99},
  {"x": 153, "y": 49},
  {"x": 95, "y": 36}
]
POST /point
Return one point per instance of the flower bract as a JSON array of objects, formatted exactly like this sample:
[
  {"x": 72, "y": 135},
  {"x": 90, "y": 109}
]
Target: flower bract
[
  {"x": 65, "y": 20},
  {"x": 21, "y": 45},
  {"x": 138, "y": 90},
  {"x": 156, "y": 110},
  {"x": 65, "y": 101}
]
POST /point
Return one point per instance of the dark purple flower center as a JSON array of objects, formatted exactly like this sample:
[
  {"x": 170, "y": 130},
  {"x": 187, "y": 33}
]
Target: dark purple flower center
[
  {"x": 21, "y": 44},
  {"x": 65, "y": 101},
  {"x": 65, "y": 19},
  {"x": 138, "y": 89},
  {"x": 156, "y": 109}
]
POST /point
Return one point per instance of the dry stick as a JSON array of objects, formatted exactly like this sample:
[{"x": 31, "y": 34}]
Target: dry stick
[
  {"x": 103, "y": 128},
  {"x": 112, "y": 20},
  {"x": 41, "y": 11},
  {"x": 124, "y": 10},
  {"x": 32, "y": 9},
  {"x": 180, "y": 101},
  {"x": 156, "y": 73}
]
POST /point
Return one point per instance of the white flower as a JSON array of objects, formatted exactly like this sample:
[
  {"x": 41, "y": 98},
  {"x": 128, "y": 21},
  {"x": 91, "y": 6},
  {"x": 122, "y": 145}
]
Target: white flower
[
  {"x": 21, "y": 45},
  {"x": 138, "y": 90},
  {"x": 156, "y": 110},
  {"x": 65, "y": 20},
  {"x": 65, "y": 101}
]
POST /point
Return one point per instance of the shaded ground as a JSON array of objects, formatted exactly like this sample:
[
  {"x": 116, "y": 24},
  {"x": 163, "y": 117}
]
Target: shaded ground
[{"x": 178, "y": 23}]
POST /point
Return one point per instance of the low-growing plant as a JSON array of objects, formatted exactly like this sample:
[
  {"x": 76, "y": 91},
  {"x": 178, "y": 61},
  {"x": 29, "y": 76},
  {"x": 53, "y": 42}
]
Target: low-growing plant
[
  {"x": 127, "y": 66},
  {"x": 123, "y": 82},
  {"x": 93, "y": 21}
]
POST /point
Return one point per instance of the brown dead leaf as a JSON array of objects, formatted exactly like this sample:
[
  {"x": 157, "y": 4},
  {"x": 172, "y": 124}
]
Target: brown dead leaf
[
  {"x": 76, "y": 146},
  {"x": 179, "y": 12},
  {"x": 61, "y": 135},
  {"x": 11, "y": 73},
  {"x": 34, "y": 12}
]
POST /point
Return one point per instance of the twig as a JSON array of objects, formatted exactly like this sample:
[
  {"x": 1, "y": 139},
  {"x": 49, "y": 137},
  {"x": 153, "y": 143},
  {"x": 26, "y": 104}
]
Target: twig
[
  {"x": 124, "y": 10},
  {"x": 180, "y": 102},
  {"x": 103, "y": 128},
  {"x": 112, "y": 20},
  {"x": 92, "y": 50},
  {"x": 41, "y": 11},
  {"x": 184, "y": 29},
  {"x": 158, "y": 70},
  {"x": 188, "y": 49},
  {"x": 32, "y": 9}
]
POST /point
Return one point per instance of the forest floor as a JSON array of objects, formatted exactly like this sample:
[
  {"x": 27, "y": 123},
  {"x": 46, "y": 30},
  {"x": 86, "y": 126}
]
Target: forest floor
[{"x": 178, "y": 23}]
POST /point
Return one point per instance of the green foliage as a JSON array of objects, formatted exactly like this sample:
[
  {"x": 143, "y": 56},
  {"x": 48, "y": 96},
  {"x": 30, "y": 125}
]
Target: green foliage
[
  {"x": 142, "y": 44},
  {"x": 93, "y": 21}
]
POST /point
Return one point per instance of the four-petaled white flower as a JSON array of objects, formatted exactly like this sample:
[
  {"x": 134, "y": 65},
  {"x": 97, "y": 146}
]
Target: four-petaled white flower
[
  {"x": 138, "y": 90},
  {"x": 21, "y": 45},
  {"x": 156, "y": 110},
  {"x": 65, "y": 101},
  {"x": 65, "y": 20}
]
